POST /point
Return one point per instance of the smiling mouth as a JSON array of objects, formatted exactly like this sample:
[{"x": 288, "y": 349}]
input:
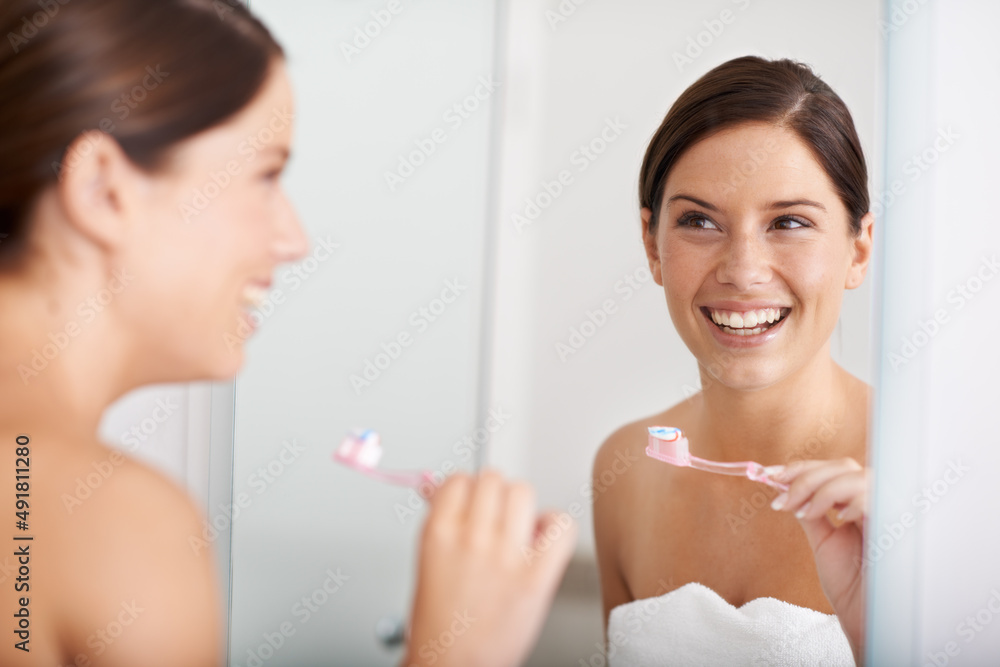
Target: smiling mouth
[{"x": 751, "y": 323}]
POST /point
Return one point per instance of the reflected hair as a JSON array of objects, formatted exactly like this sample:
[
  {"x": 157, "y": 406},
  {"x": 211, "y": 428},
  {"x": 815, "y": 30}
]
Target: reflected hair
[
  {"x": 149, "y": 73},
  {"x": 784, "y": 93}
]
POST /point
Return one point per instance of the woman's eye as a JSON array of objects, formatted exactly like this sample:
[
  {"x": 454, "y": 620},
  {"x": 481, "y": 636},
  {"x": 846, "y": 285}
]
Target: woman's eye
[
  {"x": 695, "y": 221},
  {"x": 782, "y": 223}
]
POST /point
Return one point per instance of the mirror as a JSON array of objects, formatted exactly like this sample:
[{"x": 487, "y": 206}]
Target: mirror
[{"x": 477, "y": 289}]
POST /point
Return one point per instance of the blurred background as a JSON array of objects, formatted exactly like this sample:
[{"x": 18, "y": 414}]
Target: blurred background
[{"x": 467, "y": 172}]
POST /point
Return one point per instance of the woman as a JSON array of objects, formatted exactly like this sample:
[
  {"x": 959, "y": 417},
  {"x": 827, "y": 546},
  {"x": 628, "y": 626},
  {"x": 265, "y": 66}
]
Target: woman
[
  {"x": 141, "y": 214},
  {"x": 754, "y": 207}
]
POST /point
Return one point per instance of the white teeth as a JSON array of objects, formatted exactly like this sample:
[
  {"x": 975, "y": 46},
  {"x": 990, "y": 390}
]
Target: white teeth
[
  {"x": 743, "y": 332},
  {"x": 254, "y": 295},
  {"x": 746, "y": 323}
]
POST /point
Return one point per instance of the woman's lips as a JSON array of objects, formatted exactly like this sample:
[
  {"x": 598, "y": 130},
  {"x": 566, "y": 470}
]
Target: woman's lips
[{"x": 742, "y": 340}]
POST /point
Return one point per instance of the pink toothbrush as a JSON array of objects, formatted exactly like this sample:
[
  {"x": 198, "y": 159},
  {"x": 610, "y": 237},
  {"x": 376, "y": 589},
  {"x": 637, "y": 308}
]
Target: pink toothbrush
[
  {"x": 669, "y": 445},
  {"x": 361, "y": 450}
]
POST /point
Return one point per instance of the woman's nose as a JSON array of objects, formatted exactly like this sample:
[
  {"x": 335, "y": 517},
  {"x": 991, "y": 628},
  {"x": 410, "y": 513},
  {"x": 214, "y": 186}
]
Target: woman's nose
[
  {"x": 291, "y": 243},
  {"x": 744, "y": 263}
]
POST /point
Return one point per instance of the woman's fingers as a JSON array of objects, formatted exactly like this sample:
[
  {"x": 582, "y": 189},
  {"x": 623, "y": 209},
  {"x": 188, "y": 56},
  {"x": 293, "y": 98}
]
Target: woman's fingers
[
  {"x": 555, "y": 539},
  {"x": 847, "y": 490},
  {"x": 449, "y": 503},
  {"x": 488, "y": 499},
  {"x": 519, "y": 517},
  {"x": 805, "y": 477}
]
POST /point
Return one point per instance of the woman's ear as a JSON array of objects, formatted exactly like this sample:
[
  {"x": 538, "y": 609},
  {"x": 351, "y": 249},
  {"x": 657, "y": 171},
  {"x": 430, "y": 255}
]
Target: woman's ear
[
  {"x": 649, "y": 241},
  {"x": 862, "y": 248},
  {"x": 94, "y": 189}
]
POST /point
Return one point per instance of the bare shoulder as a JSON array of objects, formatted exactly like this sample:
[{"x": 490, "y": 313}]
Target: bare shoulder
[
  {"x": 618, "y": 481},
  {"x": 140, "y": 586}
]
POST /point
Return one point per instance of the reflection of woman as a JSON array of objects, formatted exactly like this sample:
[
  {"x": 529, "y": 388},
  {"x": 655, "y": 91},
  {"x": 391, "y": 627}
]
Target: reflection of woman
[
  {"x": 755, "y": 219},
  {"x": 141, "y": 215}
]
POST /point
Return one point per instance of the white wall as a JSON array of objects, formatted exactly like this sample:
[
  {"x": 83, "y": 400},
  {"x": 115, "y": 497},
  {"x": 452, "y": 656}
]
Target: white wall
[
  {"x": 564, "y": 79},
  {"x": 167, "y": 427},
  {"x": 934, "y": 545},
  {"x": 397, "y": 247}
]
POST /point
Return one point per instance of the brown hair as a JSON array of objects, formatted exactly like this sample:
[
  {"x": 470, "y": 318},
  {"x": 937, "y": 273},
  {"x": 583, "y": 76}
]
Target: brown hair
[
  {"x": 783, "y": 92},
  {"x": 150, "y": 73}
]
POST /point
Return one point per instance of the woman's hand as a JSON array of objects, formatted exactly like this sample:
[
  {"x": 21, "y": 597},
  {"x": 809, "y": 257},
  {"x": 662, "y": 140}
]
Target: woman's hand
[
  {"x": 489, "y": 568},
  {"x": 815, "y": 488}
]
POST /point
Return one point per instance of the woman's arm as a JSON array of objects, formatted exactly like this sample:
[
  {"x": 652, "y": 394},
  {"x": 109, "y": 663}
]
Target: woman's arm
[
  {"x": 816, "y": 488},
  {"x": 608, "y": 506}
]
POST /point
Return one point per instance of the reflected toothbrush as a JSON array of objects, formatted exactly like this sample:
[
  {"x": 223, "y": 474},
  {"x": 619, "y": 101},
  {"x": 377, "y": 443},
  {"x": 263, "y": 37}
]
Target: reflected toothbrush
[
  {"x": 669, "y": 445},
  {"x": 361, "y": 450}
]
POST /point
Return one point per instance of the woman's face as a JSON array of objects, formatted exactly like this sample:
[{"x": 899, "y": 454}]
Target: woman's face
[
  {"x": 208, "y": 234},
  {"x": 751, "y": 230}
]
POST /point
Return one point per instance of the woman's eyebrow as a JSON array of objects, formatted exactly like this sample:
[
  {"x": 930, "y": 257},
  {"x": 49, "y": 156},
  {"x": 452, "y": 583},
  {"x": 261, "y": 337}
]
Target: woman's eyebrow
[
  {"x": 788, "y": 203},
  {"x": 697, "y": 201}
]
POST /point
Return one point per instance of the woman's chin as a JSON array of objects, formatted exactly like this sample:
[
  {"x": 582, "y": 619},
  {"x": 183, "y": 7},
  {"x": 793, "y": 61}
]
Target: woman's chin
[
  {"x": 744, "y": 379},
  {"x": 227, "y": 367}
]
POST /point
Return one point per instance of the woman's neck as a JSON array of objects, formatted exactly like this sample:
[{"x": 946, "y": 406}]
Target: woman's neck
[
  {"x": 60, "y": 367},
  {"x": 801, "y": 416}
]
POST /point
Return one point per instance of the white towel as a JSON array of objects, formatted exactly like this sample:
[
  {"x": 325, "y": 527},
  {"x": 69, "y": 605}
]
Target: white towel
[{"x": 694, "y": 625}]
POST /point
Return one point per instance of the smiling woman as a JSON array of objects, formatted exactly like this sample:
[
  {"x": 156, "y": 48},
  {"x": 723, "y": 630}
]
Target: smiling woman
[
  {"x": 755, "y": 220},
  {"x": 106, "y": 135}
]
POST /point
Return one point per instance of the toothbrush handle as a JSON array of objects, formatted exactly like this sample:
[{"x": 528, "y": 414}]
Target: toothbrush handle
[
  {"x": 412, "y": 479},
  {"x": 749, "y": 469}
]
